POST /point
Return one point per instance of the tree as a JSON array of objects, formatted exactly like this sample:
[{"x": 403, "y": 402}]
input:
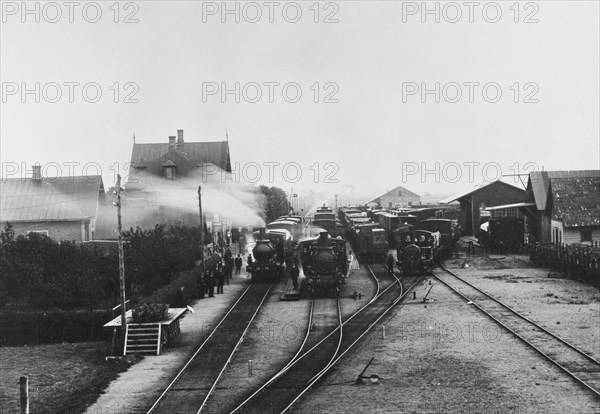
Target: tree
[{"x": 275, "y": 202}]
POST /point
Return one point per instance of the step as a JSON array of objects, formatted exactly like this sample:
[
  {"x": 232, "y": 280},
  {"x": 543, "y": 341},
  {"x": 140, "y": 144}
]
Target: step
[{"x": 143, "y": 339}]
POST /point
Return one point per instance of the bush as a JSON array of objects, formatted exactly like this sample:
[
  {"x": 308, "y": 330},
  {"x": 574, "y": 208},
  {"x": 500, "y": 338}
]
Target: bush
[{"x": 150, "y": 312}]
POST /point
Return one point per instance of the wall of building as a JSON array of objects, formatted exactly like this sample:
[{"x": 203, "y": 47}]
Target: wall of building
[
  {"x": 573, "y": 235},
  {"x": 399, "y": 201},
  {"x": 57, "y": 230},
  {"x": 495, "y": 194}
]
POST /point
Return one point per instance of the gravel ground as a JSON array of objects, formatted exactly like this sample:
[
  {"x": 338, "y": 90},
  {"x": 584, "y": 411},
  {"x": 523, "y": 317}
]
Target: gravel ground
[
  {"x": 447, "y": 357},
  {"x": 567, "y": 308}
]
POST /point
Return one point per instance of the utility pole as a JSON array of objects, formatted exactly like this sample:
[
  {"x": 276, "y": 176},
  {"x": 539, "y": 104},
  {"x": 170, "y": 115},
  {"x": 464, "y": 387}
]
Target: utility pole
[
  {"x": 121, "y": 259},
  {"x": 201, "y": 229}
]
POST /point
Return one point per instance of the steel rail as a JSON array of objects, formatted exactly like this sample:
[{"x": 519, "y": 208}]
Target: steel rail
[
  {"x": 579, "y": 380},
  {"x": 401, "y": 296},
  {"x": 182, "y": 370},
  {"x": 239, "y": 342},
  {"x": 301, "y": 355}
]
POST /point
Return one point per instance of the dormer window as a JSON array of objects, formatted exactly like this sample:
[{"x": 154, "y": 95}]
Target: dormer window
[
  {"x": 170, "y": 173},
  {"x": 170, "y": 170}
]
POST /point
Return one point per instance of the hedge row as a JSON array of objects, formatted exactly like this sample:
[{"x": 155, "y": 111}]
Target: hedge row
[
  {"x": 189, "y": 280},
  {"x": 19, "y": 328}
]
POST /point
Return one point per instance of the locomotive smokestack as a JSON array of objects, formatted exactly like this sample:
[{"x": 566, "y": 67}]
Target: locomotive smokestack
[
  {"x": 323, "y": 235},
  {"x": 262, "y": 233}
]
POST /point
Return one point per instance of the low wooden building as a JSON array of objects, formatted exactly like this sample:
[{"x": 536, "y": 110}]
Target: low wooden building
[
  {"x": 63, "y": 208},
  {"x": 476, "y": 201},
  {"x": 561, "y": 207}
]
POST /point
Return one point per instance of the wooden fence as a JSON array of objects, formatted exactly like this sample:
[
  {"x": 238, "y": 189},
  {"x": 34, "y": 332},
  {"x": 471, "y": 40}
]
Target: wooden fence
[{"x": 577, "y": 262}]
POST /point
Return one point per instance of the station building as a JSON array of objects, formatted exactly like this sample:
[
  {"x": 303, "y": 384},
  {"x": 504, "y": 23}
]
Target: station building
[{"x": 163, "y": 180}]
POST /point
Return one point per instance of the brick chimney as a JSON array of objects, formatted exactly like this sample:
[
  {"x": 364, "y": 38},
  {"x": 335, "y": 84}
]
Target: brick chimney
[
  {"x": 180, "y": 139},
  {"x": 37, "y": 173},
  {"x": 172, "y": 143}
]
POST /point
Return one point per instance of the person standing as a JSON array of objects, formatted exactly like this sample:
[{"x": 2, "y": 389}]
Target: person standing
[
  {"x": 220, "y": 276},
  {"x": 228, "y": 269},
  {"x": 201, "y": 287},
  {"x": 294, "y": 273},
  {"x": 249, "y": 264},
  {"x": 211, "y": 285},
  {"x": 238, "y": 264}
]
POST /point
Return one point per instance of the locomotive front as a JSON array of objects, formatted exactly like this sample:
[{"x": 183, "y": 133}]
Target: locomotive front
[
  {"x": 265, "y": 266},
  {"x": 325, "y": 263}
]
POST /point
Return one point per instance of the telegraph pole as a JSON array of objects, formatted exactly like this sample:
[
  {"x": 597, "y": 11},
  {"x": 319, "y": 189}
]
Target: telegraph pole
[
  {"x": 201, "y": 229},
  {"x": 121, "y": 259}
]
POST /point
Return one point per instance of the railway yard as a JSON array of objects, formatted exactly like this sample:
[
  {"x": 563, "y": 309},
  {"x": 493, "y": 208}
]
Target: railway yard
[
  {"x": 436, "y": 325},
  {"x": 442, "y": 354}
]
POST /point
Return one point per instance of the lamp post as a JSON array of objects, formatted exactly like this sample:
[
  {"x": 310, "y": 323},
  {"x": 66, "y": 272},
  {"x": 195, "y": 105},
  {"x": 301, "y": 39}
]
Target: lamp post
[{"x": 121, "y": 258}]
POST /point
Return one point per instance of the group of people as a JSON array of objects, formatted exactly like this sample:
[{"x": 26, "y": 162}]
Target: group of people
[{"x": 220, "y": 275}]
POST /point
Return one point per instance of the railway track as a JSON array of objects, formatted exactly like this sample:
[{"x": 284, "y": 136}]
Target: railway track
[
  {"x": 308, "y": 367},
  {"x": 371, "y": 317},
  {"x": 192, "y": 386},
  {"x": 573, "y": 361}
]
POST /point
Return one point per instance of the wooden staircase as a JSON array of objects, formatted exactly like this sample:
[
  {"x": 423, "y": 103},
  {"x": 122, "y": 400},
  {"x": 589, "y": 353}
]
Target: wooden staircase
[{"x": 142, "y": 339}]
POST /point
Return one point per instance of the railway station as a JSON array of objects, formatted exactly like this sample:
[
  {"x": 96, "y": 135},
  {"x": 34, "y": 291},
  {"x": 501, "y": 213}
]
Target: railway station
[{"x": 301, "y": 207}]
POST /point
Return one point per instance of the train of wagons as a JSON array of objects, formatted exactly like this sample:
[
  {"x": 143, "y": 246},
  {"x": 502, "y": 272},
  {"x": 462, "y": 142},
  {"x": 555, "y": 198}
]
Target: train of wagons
[
  {"x": 323, "y": 259},
  {"x": 419, "y": 236}
]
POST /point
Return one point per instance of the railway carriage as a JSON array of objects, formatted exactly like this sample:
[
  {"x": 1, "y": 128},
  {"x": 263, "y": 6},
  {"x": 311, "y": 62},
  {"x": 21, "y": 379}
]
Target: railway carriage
[{"x": 325, "y": 219}]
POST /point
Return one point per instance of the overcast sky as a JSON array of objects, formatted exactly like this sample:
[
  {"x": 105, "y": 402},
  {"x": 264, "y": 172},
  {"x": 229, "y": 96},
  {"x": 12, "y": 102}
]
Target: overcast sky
[{"x": 365, "y": 63}]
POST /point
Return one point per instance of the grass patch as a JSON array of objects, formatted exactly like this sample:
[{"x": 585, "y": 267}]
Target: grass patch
[{"x": 62, "y": 377}]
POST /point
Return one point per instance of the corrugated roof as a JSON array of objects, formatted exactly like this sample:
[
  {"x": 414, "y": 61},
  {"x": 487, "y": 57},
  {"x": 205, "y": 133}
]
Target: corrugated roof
[
  {"x": 539, "y": 182},
  {"x": 50, "y": 199},
  {"x": 576, "y": 200}
]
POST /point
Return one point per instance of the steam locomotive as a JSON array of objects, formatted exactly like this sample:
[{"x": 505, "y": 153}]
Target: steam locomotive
[
  {"x": 419, "y": 246},
  {"x": 324, "y": 262}
]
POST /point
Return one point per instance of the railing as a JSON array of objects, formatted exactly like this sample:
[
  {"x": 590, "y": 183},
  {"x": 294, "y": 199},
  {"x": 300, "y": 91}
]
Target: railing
[{"x": 576, "y": 261}]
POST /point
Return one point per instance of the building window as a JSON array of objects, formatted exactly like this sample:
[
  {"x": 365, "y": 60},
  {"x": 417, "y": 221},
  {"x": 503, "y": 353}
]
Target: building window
[
  {"x": 170, "y": 173},
  {"x": 399, "y": 193},
  {"x": 410, "y": 203},
  {"x": 586, "y": 235}
]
